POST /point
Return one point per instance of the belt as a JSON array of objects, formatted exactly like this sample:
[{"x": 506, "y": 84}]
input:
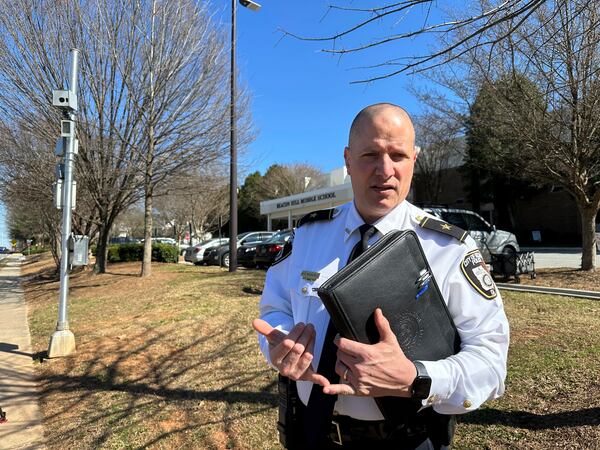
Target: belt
[{"x": 347, "y": 430}]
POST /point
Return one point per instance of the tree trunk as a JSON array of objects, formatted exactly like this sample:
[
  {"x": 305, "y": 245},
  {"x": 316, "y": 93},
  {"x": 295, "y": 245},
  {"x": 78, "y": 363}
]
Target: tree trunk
[
  {"x": 147, "y": 260},
  {"x": 588, "y": 235},
  {"x": 102, "y": 249}
]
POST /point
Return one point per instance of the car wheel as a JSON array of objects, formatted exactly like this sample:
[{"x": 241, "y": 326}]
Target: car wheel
[
  {"x": 509, "y": 262},
  {"x": 509, "y": 251},
  {"x": 225, "y": 260}
]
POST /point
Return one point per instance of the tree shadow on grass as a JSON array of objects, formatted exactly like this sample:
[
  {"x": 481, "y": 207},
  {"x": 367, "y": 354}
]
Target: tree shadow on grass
[
  {"x": 533, "y": 421},
  {"x": 140, "y": 383}
]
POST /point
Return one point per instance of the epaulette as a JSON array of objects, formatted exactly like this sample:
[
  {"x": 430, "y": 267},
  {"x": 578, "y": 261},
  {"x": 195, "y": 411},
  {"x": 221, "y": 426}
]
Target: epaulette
[
  {"x": 442, "y": 227},
  {"x": 285, "y": 252},
  {"x": 315, "y": 216}
]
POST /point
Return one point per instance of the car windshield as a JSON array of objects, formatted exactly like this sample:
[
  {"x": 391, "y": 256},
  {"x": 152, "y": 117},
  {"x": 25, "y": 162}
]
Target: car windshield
[{"x": 280, "y": 236}]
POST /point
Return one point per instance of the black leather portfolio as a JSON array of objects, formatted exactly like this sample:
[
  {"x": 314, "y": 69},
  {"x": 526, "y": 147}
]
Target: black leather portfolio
[{"x": 393, "y": 274}]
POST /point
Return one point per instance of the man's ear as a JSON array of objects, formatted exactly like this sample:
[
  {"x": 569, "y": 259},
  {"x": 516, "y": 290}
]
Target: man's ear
[{"x": 347, "y": 159}]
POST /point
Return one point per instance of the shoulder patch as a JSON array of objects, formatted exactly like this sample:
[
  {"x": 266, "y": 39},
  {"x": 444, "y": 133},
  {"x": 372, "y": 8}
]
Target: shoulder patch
[
  {"x": 315, "y": 216},
  {"x": 474, "y": 269},
  {"x": 443, "y": 227},
  {"x": 285, "y": 251}
]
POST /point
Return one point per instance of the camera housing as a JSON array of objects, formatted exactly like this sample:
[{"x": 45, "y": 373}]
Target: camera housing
[
  {"x": 67, "y": 128},
  {"x": 65, "y": 100}
]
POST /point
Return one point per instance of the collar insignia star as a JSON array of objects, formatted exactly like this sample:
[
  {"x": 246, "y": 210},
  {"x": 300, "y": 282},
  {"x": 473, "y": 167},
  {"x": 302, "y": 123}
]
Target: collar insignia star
[{"x": 446, "y": 227}]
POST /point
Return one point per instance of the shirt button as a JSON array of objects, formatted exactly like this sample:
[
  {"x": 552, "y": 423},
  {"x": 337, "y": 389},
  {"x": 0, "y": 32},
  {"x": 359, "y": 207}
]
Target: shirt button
[
  {"x": 304, "y": 290},
  {"x": 467, "y": 403}
]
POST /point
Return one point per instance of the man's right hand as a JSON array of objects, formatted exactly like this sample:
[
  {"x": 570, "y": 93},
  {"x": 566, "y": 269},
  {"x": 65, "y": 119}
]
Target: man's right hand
[{"x": 292, "y": 354}]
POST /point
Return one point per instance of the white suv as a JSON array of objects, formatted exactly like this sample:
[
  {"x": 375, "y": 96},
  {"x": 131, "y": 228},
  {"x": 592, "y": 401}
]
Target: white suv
[{"x": 488, "y": 238}]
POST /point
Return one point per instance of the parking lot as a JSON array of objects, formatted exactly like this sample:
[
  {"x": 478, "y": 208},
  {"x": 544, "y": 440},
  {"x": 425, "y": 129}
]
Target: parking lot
[{"x": 552, "y": 257}]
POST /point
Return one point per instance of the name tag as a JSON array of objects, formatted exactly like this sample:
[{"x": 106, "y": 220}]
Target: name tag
[{"x": 310, "y": 276}]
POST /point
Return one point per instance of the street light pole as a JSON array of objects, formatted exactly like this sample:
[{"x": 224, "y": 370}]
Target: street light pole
[
  {"x": 62, "y": 341},
  {"x": 233, "y": 225},
  {"x": 233, "y": 209}
]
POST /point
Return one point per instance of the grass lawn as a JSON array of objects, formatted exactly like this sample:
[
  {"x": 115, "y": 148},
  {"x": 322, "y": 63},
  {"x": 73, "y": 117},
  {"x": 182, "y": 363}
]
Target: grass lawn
[{"x": 171, "y": 362}]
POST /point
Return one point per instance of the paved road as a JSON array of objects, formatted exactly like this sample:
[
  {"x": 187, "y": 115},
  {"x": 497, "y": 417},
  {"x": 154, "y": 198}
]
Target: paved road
[{"x": 550, "y": 257}]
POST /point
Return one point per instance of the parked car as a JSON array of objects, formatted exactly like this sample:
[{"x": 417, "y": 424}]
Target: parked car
[
  {"x": 164, "y": 240},
  {"x": 245, "y": 255},
  {"x": 268, "y": 251},
  {"x": 219, "y": 256},
  {"x": 4, "y": 250},
  {"x": 124, "y": 240},
  {"x": 246, "y": 251},
  {"x": 489, "y": 239},
  {"x": 195, "y": 254}
]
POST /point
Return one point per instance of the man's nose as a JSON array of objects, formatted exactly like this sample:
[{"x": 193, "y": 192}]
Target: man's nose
[{"x": 385, "y": 167}]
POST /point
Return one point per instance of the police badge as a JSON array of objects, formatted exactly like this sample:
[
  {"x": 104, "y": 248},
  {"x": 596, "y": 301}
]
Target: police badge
[{"x": 474, "y": 268}]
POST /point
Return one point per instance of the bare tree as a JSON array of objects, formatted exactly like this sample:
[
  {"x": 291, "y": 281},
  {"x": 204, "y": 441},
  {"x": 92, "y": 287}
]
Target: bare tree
[
  {"x": 152, "y": 94},
  {"x": 26, "y": 172},
  {"x": 34, "y": 42},
  {"x": 130, "y": 222},
  {"x": 545, "y": 87},
  {"x": 422, "y": 18},
  {"x": 441, "y": 147},
  {"x": 180, "y": 95},
  {"x": 282, "y": 180},
  {"x": 198, "y": 201}
]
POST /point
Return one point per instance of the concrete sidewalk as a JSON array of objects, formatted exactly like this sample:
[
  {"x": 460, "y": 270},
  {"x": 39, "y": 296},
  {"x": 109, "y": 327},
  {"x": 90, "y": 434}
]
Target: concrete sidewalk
[{"x": 18, "y": 390}]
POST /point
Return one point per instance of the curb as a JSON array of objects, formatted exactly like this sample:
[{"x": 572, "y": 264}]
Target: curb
[{"x": 593, "y": 295}]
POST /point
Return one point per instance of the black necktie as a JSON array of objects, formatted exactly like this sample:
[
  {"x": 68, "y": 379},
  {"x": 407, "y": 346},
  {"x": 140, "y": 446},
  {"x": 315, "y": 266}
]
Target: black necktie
[{"x": 319, "y": 410}]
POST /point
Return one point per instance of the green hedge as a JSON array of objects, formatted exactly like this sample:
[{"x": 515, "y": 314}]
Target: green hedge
[
  {"x": 135, "y": 252},
  {"x": 165, "y": 253}
]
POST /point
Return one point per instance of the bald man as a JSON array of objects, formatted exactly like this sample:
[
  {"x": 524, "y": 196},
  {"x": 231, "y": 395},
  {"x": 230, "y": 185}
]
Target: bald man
[{"x": 337, "y": 379}]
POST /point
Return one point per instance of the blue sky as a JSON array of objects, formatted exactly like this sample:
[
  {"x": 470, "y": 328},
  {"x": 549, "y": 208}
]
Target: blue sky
[{"x": 303, "y": 102}]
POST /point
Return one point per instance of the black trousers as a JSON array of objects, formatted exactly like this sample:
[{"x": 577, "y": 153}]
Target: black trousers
[{"x": 349, "y": 433}]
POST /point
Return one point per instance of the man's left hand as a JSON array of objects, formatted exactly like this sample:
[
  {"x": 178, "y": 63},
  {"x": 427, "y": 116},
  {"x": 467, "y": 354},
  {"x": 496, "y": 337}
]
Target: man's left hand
[{"x": 375, "y": 370}]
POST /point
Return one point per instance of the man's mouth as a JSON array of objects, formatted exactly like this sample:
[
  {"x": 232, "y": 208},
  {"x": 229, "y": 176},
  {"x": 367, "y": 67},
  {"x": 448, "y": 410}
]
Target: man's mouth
[{"x": 382, "y": 187}]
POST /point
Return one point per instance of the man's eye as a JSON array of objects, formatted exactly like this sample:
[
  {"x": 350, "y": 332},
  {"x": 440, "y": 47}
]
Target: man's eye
[{"x": 398, "y": 156}]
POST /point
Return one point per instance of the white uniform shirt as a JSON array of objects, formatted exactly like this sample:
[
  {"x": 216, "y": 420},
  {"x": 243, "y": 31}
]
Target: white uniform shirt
[{"x": 459, "y": 383}]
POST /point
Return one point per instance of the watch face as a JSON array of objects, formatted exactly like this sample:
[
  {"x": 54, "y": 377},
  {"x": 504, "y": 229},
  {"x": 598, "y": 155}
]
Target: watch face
[{"x": 421, "y": 387}]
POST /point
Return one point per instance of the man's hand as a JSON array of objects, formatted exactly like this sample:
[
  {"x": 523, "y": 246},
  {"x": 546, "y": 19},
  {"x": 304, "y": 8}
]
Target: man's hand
[
  {"x": 292, "y": 354},
  {"x": 375, "y": 370}
]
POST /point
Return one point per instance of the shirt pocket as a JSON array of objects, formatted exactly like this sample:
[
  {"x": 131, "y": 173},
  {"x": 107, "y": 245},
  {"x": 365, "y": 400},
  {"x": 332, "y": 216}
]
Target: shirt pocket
[{"x": 307, "y": 306}]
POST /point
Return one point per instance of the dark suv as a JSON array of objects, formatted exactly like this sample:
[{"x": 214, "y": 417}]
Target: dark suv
[{"x": 489, "y": 239}]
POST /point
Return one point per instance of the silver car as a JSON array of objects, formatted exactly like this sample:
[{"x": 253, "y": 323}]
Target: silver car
[
  {"x": 195, "y": 253},
  {"x": 489, "y": 239}
]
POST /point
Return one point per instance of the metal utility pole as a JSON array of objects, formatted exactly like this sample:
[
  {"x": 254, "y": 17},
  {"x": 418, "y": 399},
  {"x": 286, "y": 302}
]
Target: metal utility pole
[
  {"x": 233, "y": 209},
  {"x": 62, "y": 342}
]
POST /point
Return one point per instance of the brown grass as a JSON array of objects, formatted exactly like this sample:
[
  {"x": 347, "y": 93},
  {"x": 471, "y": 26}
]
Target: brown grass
[{"x": 171, "y": 362}]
